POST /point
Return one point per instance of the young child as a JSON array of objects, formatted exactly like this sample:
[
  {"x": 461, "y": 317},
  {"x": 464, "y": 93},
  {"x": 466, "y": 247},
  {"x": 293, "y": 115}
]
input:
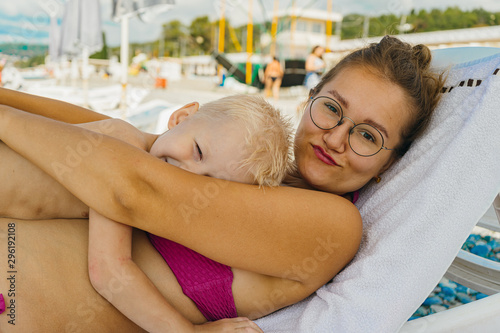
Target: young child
[{"x": 238, "y": 138}]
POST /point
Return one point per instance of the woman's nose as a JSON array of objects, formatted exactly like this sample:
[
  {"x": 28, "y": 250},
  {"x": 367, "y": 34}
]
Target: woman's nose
[{"x": 338, "y": 137}]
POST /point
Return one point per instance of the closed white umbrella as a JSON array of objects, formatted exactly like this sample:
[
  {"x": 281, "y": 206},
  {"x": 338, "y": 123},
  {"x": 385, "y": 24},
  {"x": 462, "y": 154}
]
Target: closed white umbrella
[
  {"x": 123, "y": 10},
  {"x": 143, "y": 8},
  {"x": 81, "y": 27},
  {"x": 54, "y": 39},
  {"x": 81, "y": 34}
]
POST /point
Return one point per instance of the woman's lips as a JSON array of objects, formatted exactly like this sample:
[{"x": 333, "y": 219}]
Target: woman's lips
[{"x": 323, "y": 156}]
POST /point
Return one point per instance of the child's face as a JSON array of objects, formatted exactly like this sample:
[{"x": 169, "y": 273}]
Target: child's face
[{"x": 205, "y": 147}]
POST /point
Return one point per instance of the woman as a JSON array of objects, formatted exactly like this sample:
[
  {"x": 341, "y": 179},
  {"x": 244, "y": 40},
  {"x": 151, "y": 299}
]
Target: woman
[
  {"x": 315, "y": 66},
  {"x": 272, "y": 78},
  {"x": 282, "y": 243}
]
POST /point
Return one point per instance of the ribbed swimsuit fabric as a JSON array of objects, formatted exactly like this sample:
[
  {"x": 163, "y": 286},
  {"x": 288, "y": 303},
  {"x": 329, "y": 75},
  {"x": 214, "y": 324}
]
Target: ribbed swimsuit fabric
[{"x": 206, "y": 282}]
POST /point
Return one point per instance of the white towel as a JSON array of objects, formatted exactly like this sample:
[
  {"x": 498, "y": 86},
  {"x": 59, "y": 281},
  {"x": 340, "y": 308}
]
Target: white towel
[{"x": 417, "y": 218}]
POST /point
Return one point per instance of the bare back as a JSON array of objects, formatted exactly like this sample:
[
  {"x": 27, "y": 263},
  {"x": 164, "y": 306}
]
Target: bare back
[
  {"x": 29, "y": 193},
  {"x": 50, "y": 289},
  {"x": 50, "y": 286}
]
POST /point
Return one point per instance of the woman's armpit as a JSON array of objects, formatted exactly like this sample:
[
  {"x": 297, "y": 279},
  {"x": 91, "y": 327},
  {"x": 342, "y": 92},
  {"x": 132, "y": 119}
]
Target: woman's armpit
[{"x": 257, "y": 295}]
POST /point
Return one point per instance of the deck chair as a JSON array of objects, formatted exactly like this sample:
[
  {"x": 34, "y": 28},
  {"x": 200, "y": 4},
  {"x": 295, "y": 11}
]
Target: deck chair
[
  {"x": 474, "y": 271},
  {"x": 152, "y": 116},
  {"x": 417, "y": 218}
]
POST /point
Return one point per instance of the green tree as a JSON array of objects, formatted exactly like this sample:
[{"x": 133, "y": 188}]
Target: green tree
[
  {"x": 103, "y": 54},
  {"x": 352, "y": 26},
  {"x": 201, "y": 32},
  {"x": 173, "y": 30},
  {"x": 174, "y": 36},
  {"x": 384, "y": 25}
]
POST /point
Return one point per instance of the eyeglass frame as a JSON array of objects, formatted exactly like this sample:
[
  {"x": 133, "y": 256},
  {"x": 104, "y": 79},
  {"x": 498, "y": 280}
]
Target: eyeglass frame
[{"x": 340, "y": 122}]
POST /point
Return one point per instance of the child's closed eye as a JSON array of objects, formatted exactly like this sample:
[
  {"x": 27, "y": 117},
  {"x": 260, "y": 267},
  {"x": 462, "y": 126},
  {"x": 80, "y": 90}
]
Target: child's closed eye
[{"x": 200, "y": 153}]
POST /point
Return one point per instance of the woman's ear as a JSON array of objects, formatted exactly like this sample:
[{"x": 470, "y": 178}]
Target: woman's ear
[
  {"x": 181, "y": 114},
  {"x": 389, "y": 163}
]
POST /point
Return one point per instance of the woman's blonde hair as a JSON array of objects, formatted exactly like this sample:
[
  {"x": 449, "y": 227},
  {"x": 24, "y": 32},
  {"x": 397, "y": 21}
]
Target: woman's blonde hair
[{"x": 268, "y": 137}]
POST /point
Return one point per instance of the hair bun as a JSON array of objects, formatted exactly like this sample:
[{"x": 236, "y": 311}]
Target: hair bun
[{"x": 422, "y": 56}]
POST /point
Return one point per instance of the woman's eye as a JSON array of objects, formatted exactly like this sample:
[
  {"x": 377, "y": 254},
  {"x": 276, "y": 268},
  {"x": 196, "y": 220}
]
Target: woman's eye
[
  {"x": 332, "y": 108},
  {"x": 367, "y": 136}
]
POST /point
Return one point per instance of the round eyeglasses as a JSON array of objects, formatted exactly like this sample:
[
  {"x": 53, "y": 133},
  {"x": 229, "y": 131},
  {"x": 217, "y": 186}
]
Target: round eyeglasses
[{"x": 364, "y": 139}]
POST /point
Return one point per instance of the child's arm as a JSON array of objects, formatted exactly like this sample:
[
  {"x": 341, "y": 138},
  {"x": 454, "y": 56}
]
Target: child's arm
[{"x": 110, "y": 258}]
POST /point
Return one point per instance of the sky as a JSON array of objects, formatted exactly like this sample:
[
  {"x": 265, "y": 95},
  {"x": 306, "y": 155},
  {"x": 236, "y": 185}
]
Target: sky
[{"x": 27, "y": 21}]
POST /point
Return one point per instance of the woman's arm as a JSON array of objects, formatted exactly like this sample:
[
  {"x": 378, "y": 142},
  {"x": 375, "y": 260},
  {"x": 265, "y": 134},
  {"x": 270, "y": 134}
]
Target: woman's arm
[
  {"x": 310, "y": 63},
  {"x": 49, "y": 108},
  {"x": 301, "y": 235}
]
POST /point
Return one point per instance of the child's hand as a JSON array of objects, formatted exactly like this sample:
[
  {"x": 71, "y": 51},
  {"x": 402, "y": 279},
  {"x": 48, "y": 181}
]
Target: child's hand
[{"x": 239, "y": 324}]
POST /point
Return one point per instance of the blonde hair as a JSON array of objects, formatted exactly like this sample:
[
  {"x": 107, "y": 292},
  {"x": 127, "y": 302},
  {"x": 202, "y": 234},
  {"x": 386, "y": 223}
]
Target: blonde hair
[{"x": 268, "y": 135}]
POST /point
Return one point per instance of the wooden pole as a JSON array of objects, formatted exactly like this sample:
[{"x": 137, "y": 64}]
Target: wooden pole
[
  {"x": 222, "y": 30},
  {"x": 274, "y": 28},
  {"x": 124, "y": 49},
  {"x": 328, "y": 25},
  {"x": 293, "y": 25},
  {"x": 249, "y": 44}
]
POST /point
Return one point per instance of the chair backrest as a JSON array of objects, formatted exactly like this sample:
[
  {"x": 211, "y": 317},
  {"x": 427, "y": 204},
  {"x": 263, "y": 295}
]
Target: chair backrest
[
  {"x": 496, "y": 205},
  {"x": 457, "y": 55}
]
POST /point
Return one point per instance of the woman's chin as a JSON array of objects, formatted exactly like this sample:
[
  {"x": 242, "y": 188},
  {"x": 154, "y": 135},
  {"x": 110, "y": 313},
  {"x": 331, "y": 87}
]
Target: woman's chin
[{"x": 318, "y": 183}]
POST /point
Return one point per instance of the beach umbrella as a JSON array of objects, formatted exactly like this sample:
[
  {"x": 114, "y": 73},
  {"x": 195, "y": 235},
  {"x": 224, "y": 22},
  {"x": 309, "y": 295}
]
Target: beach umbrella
[
  {"x": 81, "y": 27},
  {"x": 123, "y": 10},
  {"x": 81, "y": 34},
  {"x": 144, "y": 9},
  {"x": 54, "y": 39}
]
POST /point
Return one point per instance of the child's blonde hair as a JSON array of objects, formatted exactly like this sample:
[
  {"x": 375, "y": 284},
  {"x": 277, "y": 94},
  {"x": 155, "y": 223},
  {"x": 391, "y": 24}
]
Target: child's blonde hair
[{"x": 268, "y": 139}]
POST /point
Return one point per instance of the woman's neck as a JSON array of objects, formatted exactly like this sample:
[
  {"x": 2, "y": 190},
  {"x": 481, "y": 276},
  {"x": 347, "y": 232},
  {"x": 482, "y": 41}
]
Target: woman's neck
[{"x": 295, "y": 179}]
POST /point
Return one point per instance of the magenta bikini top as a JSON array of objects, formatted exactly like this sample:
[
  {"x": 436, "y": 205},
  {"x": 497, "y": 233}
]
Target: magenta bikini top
[{"x": 207, "y": 282}]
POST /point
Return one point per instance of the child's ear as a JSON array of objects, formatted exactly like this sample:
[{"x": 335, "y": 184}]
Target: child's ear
[{"x": 179, "y": 115}]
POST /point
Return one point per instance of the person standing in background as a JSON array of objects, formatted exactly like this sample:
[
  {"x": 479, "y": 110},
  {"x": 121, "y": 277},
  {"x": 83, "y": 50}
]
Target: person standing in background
[
  {"x": 272, "y": 78},
  {"x": 315, "y": 66},
  {"x": 2, "y": 65}
]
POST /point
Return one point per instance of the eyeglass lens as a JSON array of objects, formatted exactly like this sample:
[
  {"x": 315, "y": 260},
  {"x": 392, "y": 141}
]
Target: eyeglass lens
[{"x": 364, "y": 139}]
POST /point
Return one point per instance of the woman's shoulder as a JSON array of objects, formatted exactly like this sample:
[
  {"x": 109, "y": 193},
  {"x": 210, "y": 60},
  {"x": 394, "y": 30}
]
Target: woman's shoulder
[{"x": 325, "y": 200}]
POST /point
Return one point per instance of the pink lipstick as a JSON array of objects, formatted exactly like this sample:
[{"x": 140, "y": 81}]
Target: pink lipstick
[{"x": 323, "y": 156}]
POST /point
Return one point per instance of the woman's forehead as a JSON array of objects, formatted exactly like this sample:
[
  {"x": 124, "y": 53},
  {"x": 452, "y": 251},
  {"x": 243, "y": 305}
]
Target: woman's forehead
[{"x": 368, "y": 97}]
